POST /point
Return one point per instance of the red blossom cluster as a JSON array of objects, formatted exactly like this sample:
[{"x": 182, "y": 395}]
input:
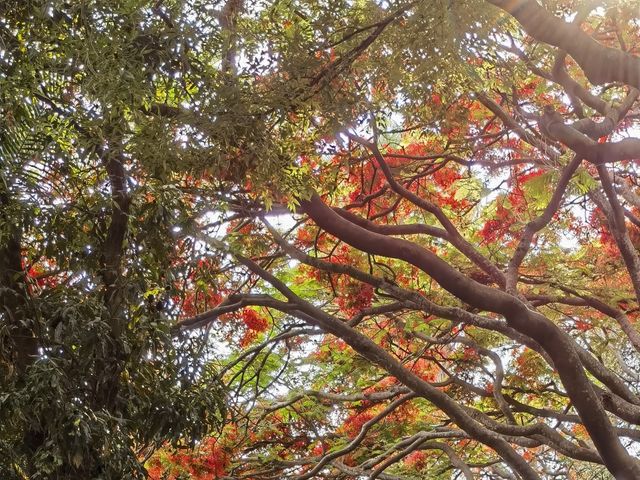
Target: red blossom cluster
[
  {"x": 497, "y": 227},
  {"x": 425, "y": 369},
  {"x": 354, "y": 422},
  {"x": 416, "y": 459},
  {"x": 470, "y": 354},
  {"x": 583, "y": 325},
  {"x": 305, "y": 237},
  {"x": 509, "y": 207},
  {"x": 353, "y": 296},
  {"x": 41, "y": 276},
  {"x": 199, "y": 301},
  {"x": 253, "y": 321},
  {"x": 209, "y": 462}
]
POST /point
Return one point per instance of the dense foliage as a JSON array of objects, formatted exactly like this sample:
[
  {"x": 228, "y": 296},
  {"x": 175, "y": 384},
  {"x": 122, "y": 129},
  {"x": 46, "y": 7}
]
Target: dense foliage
[{"x": 319, "y": 239}]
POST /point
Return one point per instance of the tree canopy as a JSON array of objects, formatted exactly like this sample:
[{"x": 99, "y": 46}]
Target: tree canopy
[{"x": 306, "y": 239}]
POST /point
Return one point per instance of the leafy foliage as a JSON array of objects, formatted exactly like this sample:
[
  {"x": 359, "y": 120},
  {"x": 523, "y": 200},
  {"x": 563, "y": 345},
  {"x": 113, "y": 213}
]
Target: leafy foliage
[{"x": 310, "y": 239}]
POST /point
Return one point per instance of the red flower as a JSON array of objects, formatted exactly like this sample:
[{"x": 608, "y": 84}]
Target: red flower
[
  {"x": 253, "y": 321},
  {"x": 353, "y": 424},
  {"x": 583, "y": 326},
  {"x": 417, "y": 459}
]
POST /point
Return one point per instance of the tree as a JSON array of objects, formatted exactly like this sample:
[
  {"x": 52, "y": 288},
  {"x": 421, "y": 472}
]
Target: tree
[{"x": 320, "y": 239}]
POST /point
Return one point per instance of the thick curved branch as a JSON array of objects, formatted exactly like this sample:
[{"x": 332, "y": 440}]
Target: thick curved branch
[
  {"x": 557, "y": 344},
  {"x": 512, "y": 124},
  {"x": 418, "y": 301},
  {"x": 573, "y": 88},
  {"x": 619, "y": 391},
  {"x": 600, "y": 64},
  {"x": 454, "y": 236},
  {"x": 614, "y": 214},
  {"x": 409, "y": 229},
  {"x": 370, "y": 350}
]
